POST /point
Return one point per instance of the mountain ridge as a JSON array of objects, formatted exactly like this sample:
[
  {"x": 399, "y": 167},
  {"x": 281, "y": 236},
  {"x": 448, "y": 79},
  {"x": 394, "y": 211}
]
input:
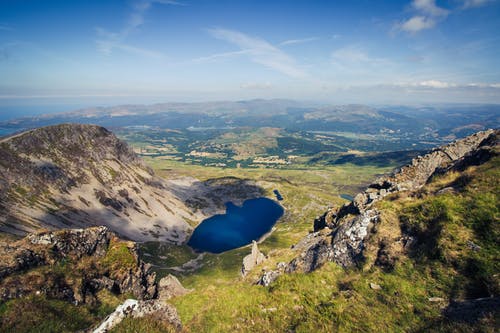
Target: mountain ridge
[{"x": 340, "y": 235}]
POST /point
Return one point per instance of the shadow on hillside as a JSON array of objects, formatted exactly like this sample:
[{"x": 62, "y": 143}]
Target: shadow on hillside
[
  {"x": 215, "y": 192},
  {"x": 125, "y": 228},
  {"x": 382, "y": 160}
]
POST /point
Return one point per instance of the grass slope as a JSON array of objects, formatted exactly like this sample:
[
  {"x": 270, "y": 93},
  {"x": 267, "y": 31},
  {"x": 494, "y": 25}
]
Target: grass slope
[{"x": 441, "y": 265}]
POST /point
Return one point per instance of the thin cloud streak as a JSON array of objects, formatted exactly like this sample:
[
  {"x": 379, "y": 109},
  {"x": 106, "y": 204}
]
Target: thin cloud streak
[
  {"x": 217, "y": 56},
  {"x": 298, "y": 41},
  {"x": 261, "y": 52},
  {"x": 112, "y": 40},
  {"x": 475, "y": 3}
]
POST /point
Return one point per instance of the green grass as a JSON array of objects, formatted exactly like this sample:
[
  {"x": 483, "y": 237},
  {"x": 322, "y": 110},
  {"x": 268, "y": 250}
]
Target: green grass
[
  {"x": 37, "y": 314},
  {"x": 119, "y": 257},
  {"x": 441, "y": 264},
  {"x": 145, "y": 324}
]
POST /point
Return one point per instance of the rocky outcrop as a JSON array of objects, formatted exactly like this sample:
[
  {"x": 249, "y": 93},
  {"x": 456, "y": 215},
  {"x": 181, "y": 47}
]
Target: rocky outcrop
[
  {"x": 73, "y": 265},
  {"x": 421, "y": 169},
  {"x": 340, "y": 236},
  {"x": 270, "y": 276},
  {"x": 136, "y": 309},
  {"x": 169, "y": 287},
  {"x": 253, "y": 259}
]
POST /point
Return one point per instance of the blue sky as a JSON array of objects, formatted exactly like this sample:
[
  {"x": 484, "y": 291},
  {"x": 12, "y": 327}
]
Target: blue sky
[{"x": 373, "y": 52}]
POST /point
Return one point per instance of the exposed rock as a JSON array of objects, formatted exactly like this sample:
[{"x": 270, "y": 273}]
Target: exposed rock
[
  {"x": 325, "y": 220},
  {"x": 342, "y": 238},
  {"x": 140, "y": 281},
  {"x": 375, "y": 286},
  {"x": 169, "y": 287},
  {"x": 68, "y": 247},
  {"x": 445, "y": 190},
  {"x": 473, "y": 246},
  {"x": 411, "y": 177},
  {"x": 74, "y": 242},
  {"x": 316, "y": 253},
  {"x": 435, "y": 299},
  {"x": 348, "y": 243},
  {"x": 137, "y": 309},
  {"x": 253, "y": 259},
  {"x": 77, "y": 176},
  {"x": 270, "y": 276}
]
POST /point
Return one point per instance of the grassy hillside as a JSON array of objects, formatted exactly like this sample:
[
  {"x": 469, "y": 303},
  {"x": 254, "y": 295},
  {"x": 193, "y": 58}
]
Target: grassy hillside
[{"x": 454, "y": 256}]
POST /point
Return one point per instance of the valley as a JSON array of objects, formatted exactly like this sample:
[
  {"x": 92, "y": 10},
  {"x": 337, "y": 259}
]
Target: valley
[{"x": 164, "y": 182}]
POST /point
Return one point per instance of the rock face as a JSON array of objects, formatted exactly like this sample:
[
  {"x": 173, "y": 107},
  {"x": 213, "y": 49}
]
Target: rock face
[
  {"x": 340, "y": 236},
  {"x": 169, "y": 287},
  {"x": 73, "y": 265},
  {"x": 253, "y": 259},
  {"x": 137, "y": 309},
  {"x": 421, "y": 169},
  {"x": 82, "y": 175},
  {"x": 76, "y": 176}
]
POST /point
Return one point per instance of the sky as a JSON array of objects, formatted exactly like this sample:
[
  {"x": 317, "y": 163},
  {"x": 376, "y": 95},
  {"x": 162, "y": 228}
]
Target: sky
[{"x": 353, "y": 51}]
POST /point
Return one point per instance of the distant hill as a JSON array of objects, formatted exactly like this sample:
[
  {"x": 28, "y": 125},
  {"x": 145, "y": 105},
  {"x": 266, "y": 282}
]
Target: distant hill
[
  {"x": 417, "y": 123},
  {"x": 69, "y": 175}
]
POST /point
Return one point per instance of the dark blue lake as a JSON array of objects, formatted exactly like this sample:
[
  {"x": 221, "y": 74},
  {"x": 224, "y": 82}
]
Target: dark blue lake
[{"x": 238, "y": 227}]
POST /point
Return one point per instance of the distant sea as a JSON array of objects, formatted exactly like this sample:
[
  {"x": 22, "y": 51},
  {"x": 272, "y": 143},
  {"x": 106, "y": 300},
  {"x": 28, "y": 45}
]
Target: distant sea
[
  {"x": 9, "y": 112},
  {"x": 12, "y": 108}
]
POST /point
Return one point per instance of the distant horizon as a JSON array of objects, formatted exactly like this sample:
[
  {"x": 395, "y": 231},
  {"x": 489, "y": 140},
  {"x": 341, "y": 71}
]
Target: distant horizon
[{"x": 48, "y": 105}]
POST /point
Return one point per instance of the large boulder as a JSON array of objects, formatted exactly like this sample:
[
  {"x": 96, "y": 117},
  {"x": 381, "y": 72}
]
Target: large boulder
[
  {"x": 136, "y": 309},
  {"x": 253, "y": 259},
  {"x": 169, "y": 287}
]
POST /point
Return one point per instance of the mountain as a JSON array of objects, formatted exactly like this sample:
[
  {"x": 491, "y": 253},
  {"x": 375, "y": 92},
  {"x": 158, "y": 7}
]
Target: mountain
[
  {"x": 340, "y": 235},
  {"x": 75, "y": 176},
  {"x": 417, "y": 123}
]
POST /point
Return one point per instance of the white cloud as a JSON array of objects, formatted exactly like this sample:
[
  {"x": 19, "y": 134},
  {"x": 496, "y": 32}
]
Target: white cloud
[
  {"x": 426, "y": 17},
  {"x": 418, "y": 23},
  {"x": 429, "y": 7},
  {"x": 436, "y": 84},
  {"x": 216, "y": 56},
  {"x": 260, "y": 51},
  {"x": 298, "y": 41},
  {"x": 474, "y": 3},
  {"x": 484, "y": 85}
]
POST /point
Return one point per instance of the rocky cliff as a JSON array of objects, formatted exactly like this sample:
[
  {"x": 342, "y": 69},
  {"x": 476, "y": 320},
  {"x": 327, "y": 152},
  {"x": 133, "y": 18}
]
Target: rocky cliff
[
  {"x": 73, "y": 265},
  {"x": 340, "y": 235}
]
